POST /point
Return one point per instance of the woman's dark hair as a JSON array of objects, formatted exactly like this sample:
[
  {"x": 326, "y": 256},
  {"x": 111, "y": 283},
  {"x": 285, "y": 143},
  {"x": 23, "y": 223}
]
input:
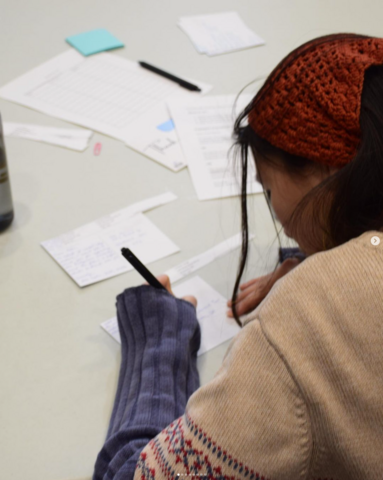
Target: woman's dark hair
[{"x": 343, "y": 206}]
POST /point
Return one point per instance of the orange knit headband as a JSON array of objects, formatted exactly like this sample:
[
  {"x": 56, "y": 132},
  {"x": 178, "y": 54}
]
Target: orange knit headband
[{"x": 310, "y": 104}]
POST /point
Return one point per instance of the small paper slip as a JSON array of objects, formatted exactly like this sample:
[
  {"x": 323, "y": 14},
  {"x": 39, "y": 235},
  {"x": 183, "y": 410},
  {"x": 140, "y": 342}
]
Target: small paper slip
[
  {"x": 108, "y": 94},
  {"x": 199, "y": 261},
  {"x": 216, "y": 327},
  {"x": 94, "y": 41},
  {"x": 219, "y": 33},
  {"x": 111, "y": 326},
  {"x": 72, "y": 138},
  {"x": 92, "y": 253},
  {"x": 204, "y": 128}
]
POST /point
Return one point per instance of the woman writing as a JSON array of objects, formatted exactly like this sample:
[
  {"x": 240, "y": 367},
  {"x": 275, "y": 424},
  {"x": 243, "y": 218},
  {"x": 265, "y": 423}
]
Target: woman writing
[{"x": 300, "y": 390}]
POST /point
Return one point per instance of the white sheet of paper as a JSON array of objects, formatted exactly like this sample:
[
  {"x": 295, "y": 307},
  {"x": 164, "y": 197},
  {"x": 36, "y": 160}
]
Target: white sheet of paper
[
  {"x": 219, "y": 33},
  {"x": 162, "y": 146},
  {"x": 189, "y": 266},
  {"x": 216, "y": 327},
  {"x": 146, "y": 137},
  {"x": 92, "y": 253},
  {"x": 204, "y": 128},
  {"x": 73, "y": 138},
  {"x": 104, "y": 92}
]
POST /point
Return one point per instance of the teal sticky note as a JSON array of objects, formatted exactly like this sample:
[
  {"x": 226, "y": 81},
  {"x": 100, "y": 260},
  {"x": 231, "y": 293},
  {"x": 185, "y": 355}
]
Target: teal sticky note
[{"x": 94, "y": 41}]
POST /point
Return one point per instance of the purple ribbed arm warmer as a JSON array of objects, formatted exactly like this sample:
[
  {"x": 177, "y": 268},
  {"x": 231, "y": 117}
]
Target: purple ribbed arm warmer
[{"x": 160, "y": 337}]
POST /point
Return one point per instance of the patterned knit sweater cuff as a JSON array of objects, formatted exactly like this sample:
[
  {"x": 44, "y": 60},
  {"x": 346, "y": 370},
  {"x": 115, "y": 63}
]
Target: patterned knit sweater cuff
[{"x": 160, "y": 337}]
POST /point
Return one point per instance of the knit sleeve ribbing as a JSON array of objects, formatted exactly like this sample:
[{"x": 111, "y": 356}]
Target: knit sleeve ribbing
[{"x": 160, "y": 337}]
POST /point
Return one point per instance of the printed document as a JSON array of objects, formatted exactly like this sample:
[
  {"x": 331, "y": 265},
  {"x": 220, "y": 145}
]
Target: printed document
[
  {"x": 106, "y": 93},
  {"x": 216, "y": 327},
  {"x": 92, "y": 253},
  {"x": 219, "y": 33},
  {"x": 204, "y": 128}
]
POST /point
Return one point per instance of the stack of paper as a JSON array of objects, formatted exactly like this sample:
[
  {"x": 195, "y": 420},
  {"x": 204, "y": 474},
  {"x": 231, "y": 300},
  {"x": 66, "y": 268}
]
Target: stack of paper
[
  {"x": 73, "y": 138},
  {"x": 219, "y": 33},
  {"x": 216, "y": 327}
]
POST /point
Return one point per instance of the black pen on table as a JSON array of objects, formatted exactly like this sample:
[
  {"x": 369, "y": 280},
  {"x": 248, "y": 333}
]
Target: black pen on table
[
  {"x": 141, "y": 269},
  {"x": 169, "y": 76}
]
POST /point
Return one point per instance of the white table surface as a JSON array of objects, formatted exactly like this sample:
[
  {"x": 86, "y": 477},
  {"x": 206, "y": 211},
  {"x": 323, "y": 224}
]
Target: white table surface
[{"x": 58, "y": 368}]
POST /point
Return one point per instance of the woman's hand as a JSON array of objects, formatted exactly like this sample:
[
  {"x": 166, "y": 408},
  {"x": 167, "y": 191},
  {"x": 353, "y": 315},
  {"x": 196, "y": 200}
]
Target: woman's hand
[
  {"x": 254, "y": 291},
  {"x": 165, "y": 281}
]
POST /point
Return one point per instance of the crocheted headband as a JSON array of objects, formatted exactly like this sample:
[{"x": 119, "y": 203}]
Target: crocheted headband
[{"x": 310, "y": 104}]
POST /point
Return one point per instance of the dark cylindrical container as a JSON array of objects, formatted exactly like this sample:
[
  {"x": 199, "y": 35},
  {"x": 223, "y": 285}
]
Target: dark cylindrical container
[{"x": 6, "y": 204}]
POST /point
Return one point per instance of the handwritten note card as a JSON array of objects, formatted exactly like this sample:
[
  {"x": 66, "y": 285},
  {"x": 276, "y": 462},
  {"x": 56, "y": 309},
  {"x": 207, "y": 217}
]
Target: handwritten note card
[
  {"x": 92, "y": 253},
  {"x": 216, "y": 327}
]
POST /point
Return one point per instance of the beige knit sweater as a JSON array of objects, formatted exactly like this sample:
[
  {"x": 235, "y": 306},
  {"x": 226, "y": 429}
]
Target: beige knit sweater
[{"x": 300, "y": 392}]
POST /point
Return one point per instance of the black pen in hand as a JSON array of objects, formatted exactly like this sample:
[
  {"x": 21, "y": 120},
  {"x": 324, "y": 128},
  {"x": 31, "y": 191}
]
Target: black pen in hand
[{"x": 141, "y": 269}]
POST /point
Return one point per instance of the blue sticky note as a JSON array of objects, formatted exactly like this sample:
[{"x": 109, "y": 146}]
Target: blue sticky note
[
  {"x": 94, "y": 41},
  {"x": 167, "y": 126}
]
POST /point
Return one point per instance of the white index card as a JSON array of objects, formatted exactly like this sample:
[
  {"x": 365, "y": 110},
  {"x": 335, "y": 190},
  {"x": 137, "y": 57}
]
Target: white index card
[{"x": 92, "y": 253}]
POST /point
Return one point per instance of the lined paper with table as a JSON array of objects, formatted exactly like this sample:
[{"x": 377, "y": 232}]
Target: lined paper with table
[{"x": 108, "y": 94}]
